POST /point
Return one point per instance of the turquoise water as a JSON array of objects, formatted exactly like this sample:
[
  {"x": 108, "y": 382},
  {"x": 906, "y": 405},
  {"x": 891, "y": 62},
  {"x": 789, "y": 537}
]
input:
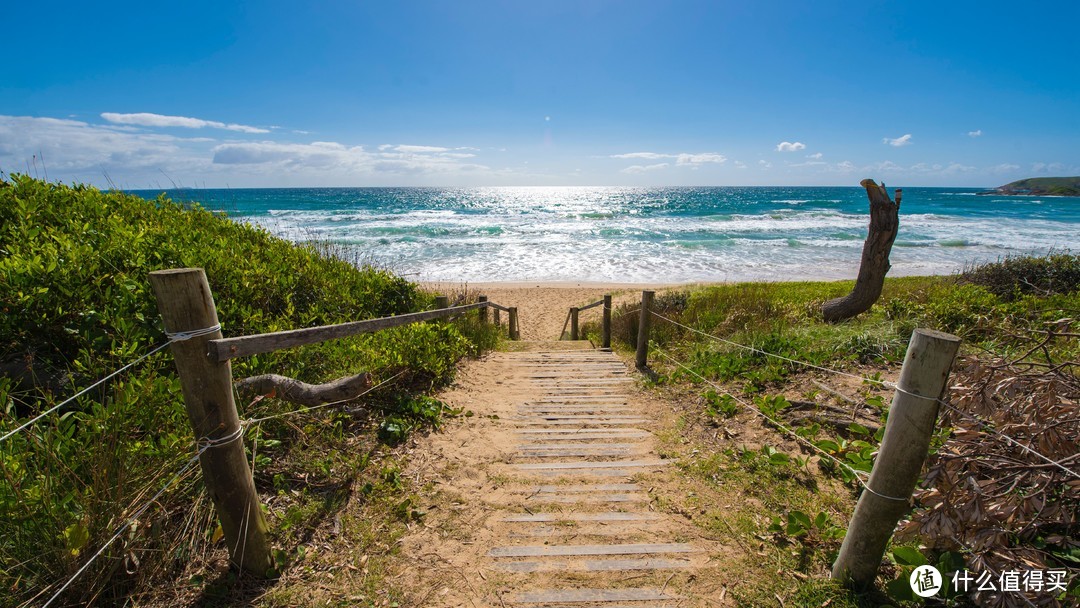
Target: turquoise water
[{"x": 649, "y": 234}]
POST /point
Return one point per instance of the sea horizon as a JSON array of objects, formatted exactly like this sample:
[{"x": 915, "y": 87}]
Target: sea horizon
[{"x": 645, "y": 235}]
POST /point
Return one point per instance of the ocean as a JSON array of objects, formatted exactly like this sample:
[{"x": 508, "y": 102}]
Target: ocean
[{"x": 648, "y": 235}]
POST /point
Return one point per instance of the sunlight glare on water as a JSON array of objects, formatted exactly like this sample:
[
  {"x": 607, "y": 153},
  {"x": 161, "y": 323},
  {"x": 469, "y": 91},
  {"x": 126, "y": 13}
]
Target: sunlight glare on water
[{"x": 650, "y": 235}]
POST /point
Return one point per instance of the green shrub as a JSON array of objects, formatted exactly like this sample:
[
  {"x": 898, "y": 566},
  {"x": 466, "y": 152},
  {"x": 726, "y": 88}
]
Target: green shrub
[
  {"x": 77, "y": 305},
  {"x": 1011, "y": 277}
]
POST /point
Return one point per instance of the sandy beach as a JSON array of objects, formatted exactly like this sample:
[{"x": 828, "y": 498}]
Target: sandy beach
[{"x": 542, "y": 307}]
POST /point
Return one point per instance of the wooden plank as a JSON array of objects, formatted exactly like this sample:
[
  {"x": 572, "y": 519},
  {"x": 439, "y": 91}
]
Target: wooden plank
[
  {"x": 615, "y": 529},
  {"x": 568, "y": 550},
  {"x": 579, "y": 417},
  {"x": 580, "y": 407},
  {"x": 589, "y": 498},
  {"x": 243, "y": 346},
  {"x": 585, "y": 464},
  {"x": 603, "y": 517},
  {"x": 583, "y": 423},
  {"x": 582, "y": 433},
  {"x": 565, "y": 473},
  {"x": 576, "y": 398},
  {"x": 556, "y": 447},
  {"x": 593, "y": 305},
  {"x": 581, "y": 452},
  {"x": 595, "y": 565},
  {"x": 593, "y": 487},
  {"x": 578, "y": 596}
]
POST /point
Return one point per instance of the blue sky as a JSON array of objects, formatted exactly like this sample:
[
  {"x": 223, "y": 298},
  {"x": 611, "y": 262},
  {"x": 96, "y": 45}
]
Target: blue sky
[{"x": 540, "y": 93}]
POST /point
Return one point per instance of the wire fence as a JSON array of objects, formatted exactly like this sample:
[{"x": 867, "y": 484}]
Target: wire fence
[
  {"x": 203, "y": 444},
  {"x": 986, "y": 426},
  {"x": 60, "y": 405}
]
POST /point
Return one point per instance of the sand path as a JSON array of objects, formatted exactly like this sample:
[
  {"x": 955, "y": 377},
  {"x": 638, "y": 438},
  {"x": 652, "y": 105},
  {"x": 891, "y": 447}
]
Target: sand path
[
  {"x": 547, "y": 495},
  {"x": 542, "y": 307}
]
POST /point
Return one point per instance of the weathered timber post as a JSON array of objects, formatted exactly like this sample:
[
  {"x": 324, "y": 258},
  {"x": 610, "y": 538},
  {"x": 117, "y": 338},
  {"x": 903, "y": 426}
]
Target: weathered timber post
[
  {"x": 606, "y": 337},
  {"x": 884, "y": 224},
  {"x": 574, "y": 323},
  {"x": 643, "y": 329},
  {"x": 186, "y": 304},
  {"x": 498, "y": 317},
  {"x": 513, "y": 321},
  {"x": 903, "y": 449},
  {"x": 442, "y": 302},
  {"x": 483, "y": 309}
]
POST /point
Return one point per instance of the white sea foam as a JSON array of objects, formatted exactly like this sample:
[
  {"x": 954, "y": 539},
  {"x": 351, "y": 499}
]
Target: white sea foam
[{"x": 641, "y": 235}]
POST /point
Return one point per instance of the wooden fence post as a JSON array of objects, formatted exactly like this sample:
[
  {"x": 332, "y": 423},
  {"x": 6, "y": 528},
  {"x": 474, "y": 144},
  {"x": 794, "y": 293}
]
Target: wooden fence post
[
  {"x": 606, "y": 337},
  {"x": 514, "y": 334},
  {"x": 644, "y": 319},
  {"x": 900, "y": 459},
  {"x": 498, "y": 317},
  {"x": 483, "y": 310},
  {"x": 186, "y": 304},
  {"x": 574, "y": 323},
  {"x": 442, "y": 302}
]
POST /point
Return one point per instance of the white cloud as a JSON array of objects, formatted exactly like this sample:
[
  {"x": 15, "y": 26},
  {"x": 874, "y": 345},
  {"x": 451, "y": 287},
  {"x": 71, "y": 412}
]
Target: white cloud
[
  {"x": 845, "y": 166},
  {"x": 339, "y": 158},
  {"x": 1005, "y": 168},
  {"x": 765, "y": 164},
  {"x": 787, "y": 146},
  {"x": 887, "y": 166},
  {"x": 903, "y": 140},
  {"x": 683, "y": 159},
  {"x": 74, "y": 150},
  {"x": 146, "y": 119},
  {"x": 418, "y": 149},
  {"x": 1047, "y": 167},
  {"x": 975, "y": 133},
  {"x": 955, "y": 168},
  {"x": 319, "y": 155},
  {"x": 815, "y": 156},
  {"x": 643, "y": 168},
  {"x": 644, "y": 155},
  {"x": 740, "y": 165},
  {"x": 699, "y": 159}
]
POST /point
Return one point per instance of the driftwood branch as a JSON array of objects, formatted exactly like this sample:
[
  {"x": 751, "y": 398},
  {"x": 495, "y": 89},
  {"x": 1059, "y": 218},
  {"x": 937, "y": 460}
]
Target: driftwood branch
[
  {"x": 302, "y": 393},
  {"x": 884, "y": 223}
]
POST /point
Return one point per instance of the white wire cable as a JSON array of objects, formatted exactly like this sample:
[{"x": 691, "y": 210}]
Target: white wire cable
[
  {"x": 173, "y": 337},
  {"x": 127, "y": 524},
  {"x": 767, "y": 353},
  {"x": 988, "y": 428},
  {"x": 83, "y": 392},
  {"x": 180, "y": 336},
  {"x": 856, "y": 473},
  {"x": 887, "y": 384}
]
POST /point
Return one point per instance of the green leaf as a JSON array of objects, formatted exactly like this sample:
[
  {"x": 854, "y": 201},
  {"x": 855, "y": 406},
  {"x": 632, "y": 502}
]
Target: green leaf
[
  {"x": 828, "y": 445},
  {"x": 900, "y": 589},
  {"x": 76, "y": 536},
  {"x": 821, "y": 519},
  {"x": 909, "y": 556},
  {"x": 858, "y": 429}
]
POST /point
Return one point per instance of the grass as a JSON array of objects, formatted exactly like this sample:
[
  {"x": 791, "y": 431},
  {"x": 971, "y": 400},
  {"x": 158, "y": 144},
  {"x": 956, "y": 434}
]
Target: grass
[
  {"x": 1017, "y": 312},
  {"x": 77, "y": 305}
]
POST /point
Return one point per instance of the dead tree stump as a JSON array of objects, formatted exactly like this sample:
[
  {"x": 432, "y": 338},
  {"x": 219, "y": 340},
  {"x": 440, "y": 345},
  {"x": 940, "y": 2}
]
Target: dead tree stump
[{"x": 884, "y": 223}]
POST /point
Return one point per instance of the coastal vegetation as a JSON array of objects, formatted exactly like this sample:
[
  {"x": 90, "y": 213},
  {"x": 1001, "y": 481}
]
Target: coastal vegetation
[
  {"x": 983, "y": 503},
  {"x": 1041, "y": 186},
  {"x": 77, "y": 306}
]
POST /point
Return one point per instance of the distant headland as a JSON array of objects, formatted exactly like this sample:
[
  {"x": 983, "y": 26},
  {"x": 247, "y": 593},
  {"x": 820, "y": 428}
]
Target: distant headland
[{"x": 1039, "y": 186}]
